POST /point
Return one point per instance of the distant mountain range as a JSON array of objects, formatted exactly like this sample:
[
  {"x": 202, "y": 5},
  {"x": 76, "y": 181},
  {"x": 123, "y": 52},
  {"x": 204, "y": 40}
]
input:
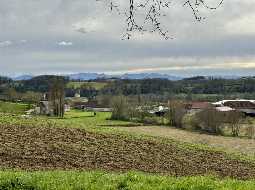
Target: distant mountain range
[
  {"x": 22, "y": 77},
  {"x": 93, "y": 76},
  {"x": 138, "y": 76},
  {"x": 149, "y": 76},
  {"x": 86, "y": 76}
]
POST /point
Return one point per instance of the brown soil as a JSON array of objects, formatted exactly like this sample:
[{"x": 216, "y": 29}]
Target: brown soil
[{"x": 61, "y": 148}]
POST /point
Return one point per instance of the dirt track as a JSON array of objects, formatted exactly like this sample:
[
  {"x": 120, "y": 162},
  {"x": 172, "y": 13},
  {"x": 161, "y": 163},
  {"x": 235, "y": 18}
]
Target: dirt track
[{"x": 59, "y": 148}]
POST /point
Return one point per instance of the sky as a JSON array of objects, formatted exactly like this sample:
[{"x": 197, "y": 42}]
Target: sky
[{"x": 66, "y": 36}]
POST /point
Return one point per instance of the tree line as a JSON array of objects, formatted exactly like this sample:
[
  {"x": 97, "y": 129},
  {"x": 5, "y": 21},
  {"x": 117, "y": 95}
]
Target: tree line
[{"x": 158, "y": 87}]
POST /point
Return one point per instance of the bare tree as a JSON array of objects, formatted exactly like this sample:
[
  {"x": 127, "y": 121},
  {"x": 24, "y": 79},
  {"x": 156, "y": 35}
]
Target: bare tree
[
  {"x": 119, "y": 106},
  {"x": 31, "y": 97},
  {"x": 153, "y": 11},
  {"x": 176, "y": 113},
  {"x": 56, "y": 96},
  {"x": 11, "y": 94},
  {"x": 234, "y": 118},
  {"x": 251, "y": 131},
  {"x": 210, "y": 120}
]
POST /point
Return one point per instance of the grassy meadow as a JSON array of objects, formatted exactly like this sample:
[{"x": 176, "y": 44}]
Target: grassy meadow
[
  {"x": 15, "y": 108},
  {"x": 96, "y": 85},
  {"x": 96, "y": 180},
  {"x": 72, "y": 119}
]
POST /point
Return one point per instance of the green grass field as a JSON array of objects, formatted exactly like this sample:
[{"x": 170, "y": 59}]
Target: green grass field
[
  {"x": 95, "y": 180},
  {"x": 73, "y": 119},
  {"x": 15, "y": 108},
  {"x": 96, "y": 85}
]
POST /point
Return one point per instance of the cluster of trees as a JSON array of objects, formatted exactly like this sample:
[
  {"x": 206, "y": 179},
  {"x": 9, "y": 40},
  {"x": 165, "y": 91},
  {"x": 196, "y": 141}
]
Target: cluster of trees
[
  {"x": 32, "y": 91},
  {"x": 132, "y": 109},
  {"x": 196, "y": 85},
  {"x": 39, "y": 83},
  {"x": 208, "y": 120},
  {"x": 10, "y": 94},
  {"x": 4, "y": 80},
  {"x": 197, "y": 88},
  {"x": 213, "y": 121},
  {"x": 190, "y": 88}
]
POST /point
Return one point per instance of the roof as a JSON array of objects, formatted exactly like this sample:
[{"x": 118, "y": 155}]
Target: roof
[
  {"x": 159, "y": 109},
  {"x": 240, "y": 104},
  {"x": 241, "y": 101},
  {"x": 199, "y": 105},
  {"x": 224, "y": 109},
  {"x": 89, "y": 104}
]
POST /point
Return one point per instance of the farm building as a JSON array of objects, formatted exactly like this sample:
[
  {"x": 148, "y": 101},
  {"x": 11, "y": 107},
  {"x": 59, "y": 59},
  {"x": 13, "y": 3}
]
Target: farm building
[
  {"x": 195, "y": 107},
  {"x": 159, "y": 111},
  {"x": 98, "y": 109},
  {"x": 245, "y": 106},
  {"x": 44, "y": 108},
  {"x": 76, "y": 102},
  {"x": 224, "y": 109},
  {"x": 91, "y": 105}
]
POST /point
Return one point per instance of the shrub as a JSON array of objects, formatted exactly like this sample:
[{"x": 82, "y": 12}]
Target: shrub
[
  {"x": 250, "y": 131},
  {"x": 119, "y": 106},
  {"x": 191, "y": 122},
  {"x": 234, "y": 118},
  {"x": 176, "y": 112},
  {"x": 210, "y": 120}
]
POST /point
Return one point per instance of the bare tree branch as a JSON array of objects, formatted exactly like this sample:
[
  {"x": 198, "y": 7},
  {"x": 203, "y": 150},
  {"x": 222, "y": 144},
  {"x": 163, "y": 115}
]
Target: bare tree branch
[{"x": 154, "y": 11}]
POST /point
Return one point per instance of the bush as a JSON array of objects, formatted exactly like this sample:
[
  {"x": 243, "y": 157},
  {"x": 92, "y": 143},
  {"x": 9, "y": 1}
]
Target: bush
[
  {"x": 120, "y": 108},
  {"x": 234, "y": 118},
  {"x": 210, "y": 120},
  {"x": 191, "y": 122},
  {"x": 175, "y": 114},
  {"x": 250, "y": 131},
  {"x": 151, "y": 120}
]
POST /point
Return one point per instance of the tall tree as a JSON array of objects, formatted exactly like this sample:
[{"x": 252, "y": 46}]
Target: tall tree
[{"x": 57, "y": 96}]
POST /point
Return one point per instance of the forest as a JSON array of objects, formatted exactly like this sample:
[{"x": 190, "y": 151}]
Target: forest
[{"x": 195, "y": 88}]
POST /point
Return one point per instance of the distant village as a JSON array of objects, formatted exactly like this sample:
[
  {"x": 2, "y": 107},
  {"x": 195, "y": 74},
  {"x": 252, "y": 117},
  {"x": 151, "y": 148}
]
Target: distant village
[{"x": 245, "y": 106}]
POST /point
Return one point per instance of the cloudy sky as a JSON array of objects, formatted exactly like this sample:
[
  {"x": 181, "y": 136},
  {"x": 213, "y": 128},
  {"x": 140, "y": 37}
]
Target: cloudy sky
[{"x": 67, "y": 36}]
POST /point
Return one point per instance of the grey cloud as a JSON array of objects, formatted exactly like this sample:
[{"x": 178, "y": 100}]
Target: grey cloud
[
  {"x": 222, "y": 40},
  {"x": 5, "y": 43}
]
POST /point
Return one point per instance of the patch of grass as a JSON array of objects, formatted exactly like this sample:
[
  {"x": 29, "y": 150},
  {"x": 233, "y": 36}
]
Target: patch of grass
[
  {"x": 15, "y": 108},
  {"x": 87, "y": 120},
  {"x": 74, "y": 180},
  {"x": 72, "y": 119},
  {"x": 96, "y": 85}
]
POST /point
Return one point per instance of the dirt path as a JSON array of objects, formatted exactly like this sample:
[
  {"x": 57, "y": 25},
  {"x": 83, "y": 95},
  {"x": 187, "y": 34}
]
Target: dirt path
[
  {"x": 61, "y": 148},
  {"x": 230, "y": 144}
]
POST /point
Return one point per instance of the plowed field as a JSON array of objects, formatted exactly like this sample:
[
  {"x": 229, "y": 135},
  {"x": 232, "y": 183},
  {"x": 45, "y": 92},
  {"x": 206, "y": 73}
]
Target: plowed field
[{"x": 35, "y": 148}]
